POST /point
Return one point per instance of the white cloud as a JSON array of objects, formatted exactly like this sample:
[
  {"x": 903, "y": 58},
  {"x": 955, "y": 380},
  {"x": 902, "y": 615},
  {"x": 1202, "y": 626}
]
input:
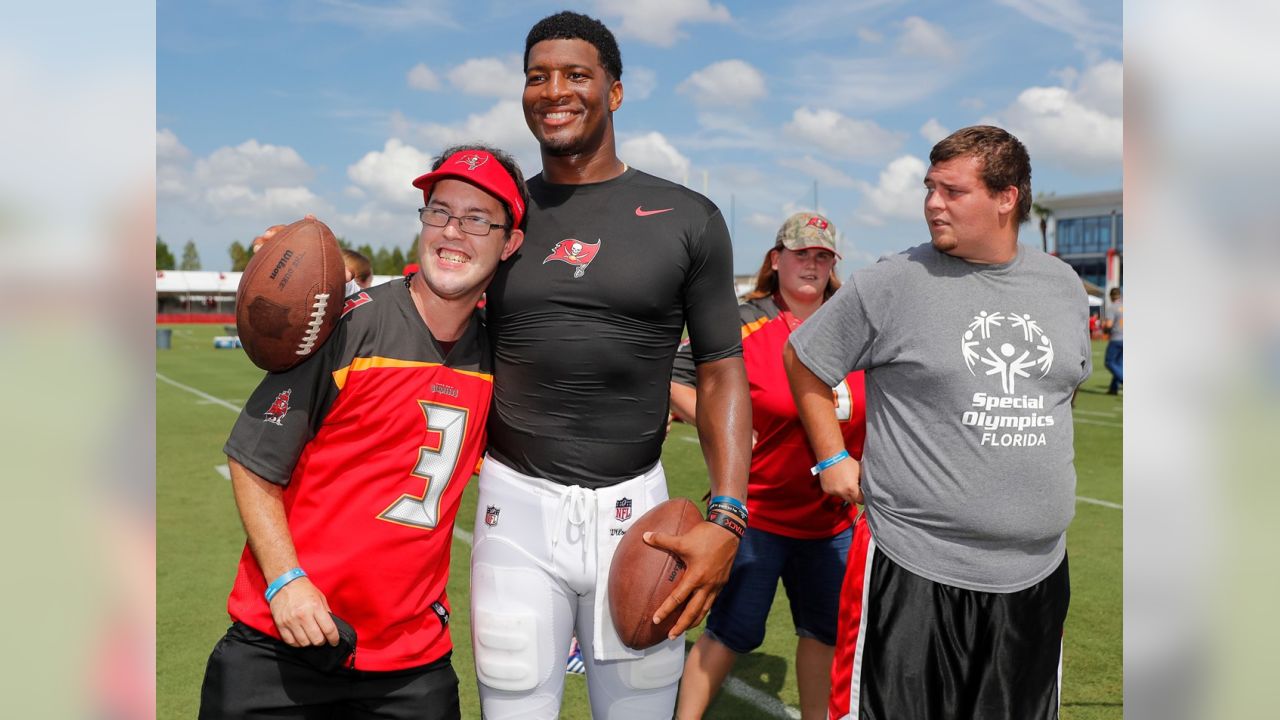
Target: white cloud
[
  {"x": 898, "y": 194},
  {"x": 421, "y": 77},
  {"x": 867, "y": 35},
  {"x": 843, "y": 136},
  {"x": 868, "y": 84},
  {"x": 171, "y": 164},
  {"x": 400, "y": 15},
  {"x": 728, "y": 82},
  {"x": 658, "y": 22},
  {"x": 1081, "y": 129},
  {"x": 235, "y": 200},
  {"x": 818, "y": 170},
  {"x": 1102, "y": 87},
  {"x": 169, "y": 148},
  {"x": 489, "y": 76},
  {"x": 922, "y": 38},
  {"x": 1070, "y": 17},
  {"x": 639, "y": 84},
  {"x": 386, "y": 174},
  {"x": 933, "y": 131},
  {"x": 252, "y": 181},
  {"x": 653, "y": 154},
  {"x": 253, "y": 164},
  {"x": 764, "y": 221},
  {"x": 502, "y": 126}
]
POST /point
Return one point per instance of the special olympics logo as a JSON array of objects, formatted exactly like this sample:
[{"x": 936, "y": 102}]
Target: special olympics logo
[{"x": 1009, "y": 351}]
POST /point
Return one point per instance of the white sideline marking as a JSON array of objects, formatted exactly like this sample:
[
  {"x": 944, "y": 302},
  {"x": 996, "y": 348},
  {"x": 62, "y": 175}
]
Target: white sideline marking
[
  {"x": 763, "y": 701},
  {"x": 1098, "y": 413},
  {"x": 1103, "y": 503},
  {"x": 732, "y": 685},
  {"x": 199, "y": 394},
  {"x": 1099, "y": 422},
  {"x": 224, "y": 470}
]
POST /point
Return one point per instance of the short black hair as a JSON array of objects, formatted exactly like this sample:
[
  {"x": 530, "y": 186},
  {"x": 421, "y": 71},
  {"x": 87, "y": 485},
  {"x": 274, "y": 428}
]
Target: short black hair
[
  {"x": 507, "y": 162},
  {"x": 568, "y": 25}
]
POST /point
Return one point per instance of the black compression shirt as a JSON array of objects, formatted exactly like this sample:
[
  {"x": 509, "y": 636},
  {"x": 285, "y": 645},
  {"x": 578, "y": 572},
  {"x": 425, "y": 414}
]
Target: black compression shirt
[{"x": 586, "y": 317}]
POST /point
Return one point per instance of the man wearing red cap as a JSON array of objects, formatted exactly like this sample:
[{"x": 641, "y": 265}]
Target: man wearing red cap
[
  {"x": 348, "y": 469},
  {"x": 585, "y": 322}
]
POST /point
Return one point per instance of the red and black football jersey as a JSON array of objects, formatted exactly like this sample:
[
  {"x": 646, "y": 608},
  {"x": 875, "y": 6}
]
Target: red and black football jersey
[
  {"x": 783, "y": 497},
  {"x": 374, "y": 439}
]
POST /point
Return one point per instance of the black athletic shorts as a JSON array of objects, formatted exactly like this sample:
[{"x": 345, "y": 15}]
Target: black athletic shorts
[
  {"x": 908, "y": 647},
  {"x": 253, "y": 675}
]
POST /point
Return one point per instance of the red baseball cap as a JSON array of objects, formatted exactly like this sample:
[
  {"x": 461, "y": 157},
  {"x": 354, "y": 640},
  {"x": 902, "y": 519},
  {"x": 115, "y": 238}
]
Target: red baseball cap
[{"x": 483, "y": 170}]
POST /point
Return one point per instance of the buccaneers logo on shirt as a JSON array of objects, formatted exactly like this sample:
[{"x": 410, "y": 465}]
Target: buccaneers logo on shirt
[
  {"x": 279, "y": 408},
  {"x": 574, "y": 252}
]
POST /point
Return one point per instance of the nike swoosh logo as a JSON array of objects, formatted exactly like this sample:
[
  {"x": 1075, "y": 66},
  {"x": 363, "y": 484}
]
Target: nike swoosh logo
[{"x": 641, "y": 212}]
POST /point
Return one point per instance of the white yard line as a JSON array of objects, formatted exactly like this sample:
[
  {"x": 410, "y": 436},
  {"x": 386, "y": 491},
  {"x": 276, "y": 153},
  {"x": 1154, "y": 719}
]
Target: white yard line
[
  {"x": 1098, "y": 413},
  {"x": 198, "y": 393},
  {"x": 760, "y": 699},
  {"x": 224, "y": 471},
  {"x": 1099, "y": 422},
  {"x": 1103, "y": 503}
]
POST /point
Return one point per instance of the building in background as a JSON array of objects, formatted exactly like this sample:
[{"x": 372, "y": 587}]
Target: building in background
[{"x": 1087, "y": 232}]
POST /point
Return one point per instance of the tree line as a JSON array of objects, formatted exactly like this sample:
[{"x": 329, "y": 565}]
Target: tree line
[{"x": 384, "y": 261}]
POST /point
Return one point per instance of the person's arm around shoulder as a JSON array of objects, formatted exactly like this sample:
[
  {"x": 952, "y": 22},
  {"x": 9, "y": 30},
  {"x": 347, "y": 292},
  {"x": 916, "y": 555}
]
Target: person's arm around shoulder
[
  {"x": 684, "y": 402},
  {"x": 299, "y": 609},
  {"x": 724, "y": 428},
  {"x": 817, "y": 407}
]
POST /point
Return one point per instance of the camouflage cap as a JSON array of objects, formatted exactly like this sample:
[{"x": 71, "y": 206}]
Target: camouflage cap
[{"x": 807, "y": 230}]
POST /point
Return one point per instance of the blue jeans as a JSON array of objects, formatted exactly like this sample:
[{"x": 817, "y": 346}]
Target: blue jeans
[
  {"x": 1115, "y": 363},
  {"x": 811, "y": 571}
]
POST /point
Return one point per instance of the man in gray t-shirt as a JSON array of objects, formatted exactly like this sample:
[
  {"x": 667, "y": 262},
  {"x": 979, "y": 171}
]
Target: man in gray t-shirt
[
  {"x": 972, "y": 347},
  {"x": 1114, "y": 325}
]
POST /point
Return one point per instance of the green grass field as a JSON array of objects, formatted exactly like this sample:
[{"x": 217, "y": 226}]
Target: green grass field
[{"x": 198, "y": 390}]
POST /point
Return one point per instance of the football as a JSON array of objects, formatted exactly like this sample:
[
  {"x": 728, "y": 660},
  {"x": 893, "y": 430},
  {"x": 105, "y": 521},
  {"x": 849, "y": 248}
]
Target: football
[
  {"x": 290, "y": 296},
  {"x": 641, "y": 577}
]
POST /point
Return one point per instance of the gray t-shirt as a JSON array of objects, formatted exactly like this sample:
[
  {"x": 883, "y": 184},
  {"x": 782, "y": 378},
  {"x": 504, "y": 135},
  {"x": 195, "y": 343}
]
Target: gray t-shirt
[
  {"x": 1115, "y": 316},
  {"x": 967, "y": 468}
]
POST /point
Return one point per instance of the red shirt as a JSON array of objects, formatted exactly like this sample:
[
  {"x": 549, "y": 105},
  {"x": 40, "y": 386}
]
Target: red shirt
[
  {"x": 377, "y": 421},
  {"x": 782, "y": 496}
]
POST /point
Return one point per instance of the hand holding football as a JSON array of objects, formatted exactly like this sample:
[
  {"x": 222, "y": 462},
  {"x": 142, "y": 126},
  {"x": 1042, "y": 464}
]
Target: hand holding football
[{"x": 641, "y": 576}]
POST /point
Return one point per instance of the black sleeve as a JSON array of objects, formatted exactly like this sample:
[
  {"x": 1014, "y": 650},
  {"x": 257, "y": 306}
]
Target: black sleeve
[
  {"x": 286, "y": 411},
  {"x": 710, "y": 304}
]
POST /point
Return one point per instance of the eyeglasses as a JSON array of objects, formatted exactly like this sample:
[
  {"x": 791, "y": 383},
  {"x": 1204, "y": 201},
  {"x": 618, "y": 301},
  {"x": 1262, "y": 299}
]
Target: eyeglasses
[{"x": 470, "y": 224}]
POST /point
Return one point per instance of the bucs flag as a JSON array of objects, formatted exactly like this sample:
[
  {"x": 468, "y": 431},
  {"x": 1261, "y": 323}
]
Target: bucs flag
[
  {"x": 574, "y": 252},
  {"x": 279, "y": 408}
]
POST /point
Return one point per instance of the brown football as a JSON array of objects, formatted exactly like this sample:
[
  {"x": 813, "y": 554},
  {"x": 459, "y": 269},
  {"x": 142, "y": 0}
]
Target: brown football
[
  {"x": 642, "y": 576},
  {"x": 290, "y": 296}
]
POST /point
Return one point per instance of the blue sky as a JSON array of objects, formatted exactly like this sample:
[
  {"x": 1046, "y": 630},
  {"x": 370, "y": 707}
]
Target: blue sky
[{"x": 268, "y": 110}]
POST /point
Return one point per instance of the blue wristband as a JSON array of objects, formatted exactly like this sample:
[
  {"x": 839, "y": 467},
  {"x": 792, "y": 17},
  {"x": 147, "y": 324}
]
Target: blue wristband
[
  {"x": 842, "y": 455},
  {"x": 288, "y": 577},
  {"x": 730, "y": 501}
]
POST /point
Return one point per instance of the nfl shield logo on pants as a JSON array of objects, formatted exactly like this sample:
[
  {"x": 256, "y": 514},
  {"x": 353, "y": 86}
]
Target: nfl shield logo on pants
[
  {"x": 622, "y": 510},
  {"x": 491, "y": 515}
]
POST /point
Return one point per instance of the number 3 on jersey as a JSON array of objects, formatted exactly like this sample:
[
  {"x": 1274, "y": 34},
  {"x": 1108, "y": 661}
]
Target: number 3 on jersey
[
  {"x": 844, "y": 401},
  {"x": 435, "y": 465}
]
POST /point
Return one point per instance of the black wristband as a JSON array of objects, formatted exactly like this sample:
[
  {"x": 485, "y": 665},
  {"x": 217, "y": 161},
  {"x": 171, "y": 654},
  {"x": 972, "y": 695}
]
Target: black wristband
[{"x": 728, "y": 522}]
